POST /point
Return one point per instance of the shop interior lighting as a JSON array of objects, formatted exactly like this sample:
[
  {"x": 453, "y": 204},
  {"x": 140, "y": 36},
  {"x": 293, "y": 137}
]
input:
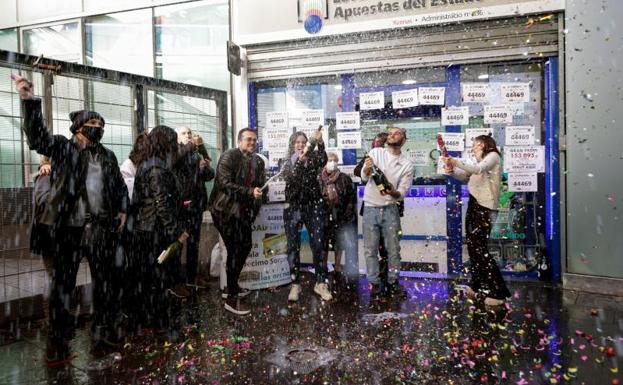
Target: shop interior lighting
[
  {"x": 483, "y": 76},
  {"x": 409, "y": 81}
]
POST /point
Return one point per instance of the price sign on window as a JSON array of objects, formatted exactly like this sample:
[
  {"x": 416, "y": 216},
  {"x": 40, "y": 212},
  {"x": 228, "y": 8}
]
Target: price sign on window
[
  {"x": 472, "y": 133},
  {"x": 519, "y": 136},
  {"x": 312, "y": 118},
  {"x": 277, "y": 191},
  {"x": 515, "y": 92},
  {"x": 498, "y": 114},
  {"x": 475, "y": 92},
  {"x": 405, "y": 98},
  {"x": 276, "y": 138},
  {"x": 455, "y": 141},
  {"x": 455, "y": 116},
  {"x": 348, "y": 140},
  {"x": 372, "y": 100},
  {"x": 432, "y": 96},
  {"x": 277, "y": 119},
  {"x": 524, "y": 159},
  {"x": 347, "y": 120},
  {"x": 419, "y": 157},
  {"x": 274, "y": 156},
  {"x": 522, "y": 181}
]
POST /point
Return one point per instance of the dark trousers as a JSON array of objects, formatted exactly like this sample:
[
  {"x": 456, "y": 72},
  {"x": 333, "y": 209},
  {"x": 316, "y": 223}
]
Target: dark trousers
[
  {"x": 192, "y": 246},
  {"x": 486, "y": 275},
  {"x": 312, "y": 216},
  {"x": 236, "y": 233},
  {"x": 101, "y": 248}
]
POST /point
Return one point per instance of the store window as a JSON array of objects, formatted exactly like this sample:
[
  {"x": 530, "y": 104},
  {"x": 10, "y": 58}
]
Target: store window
[
  {"x": 8, "y": 39},
  {"x": 121, "y": 41},
  {"x": 191, "y": 43},
  {"x": 59, "y": 41}
]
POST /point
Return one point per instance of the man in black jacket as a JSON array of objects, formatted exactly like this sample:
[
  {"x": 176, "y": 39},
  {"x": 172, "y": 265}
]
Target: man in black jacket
[
  {"x": 86, "y": 208},
  {"x": 234, "y": 203}
]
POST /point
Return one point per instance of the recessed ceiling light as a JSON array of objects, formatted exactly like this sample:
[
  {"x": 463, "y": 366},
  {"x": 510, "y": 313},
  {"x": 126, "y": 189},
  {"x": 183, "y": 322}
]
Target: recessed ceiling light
[
  {"x": 483, "y": 76},
  {"x": 409, "y": 81}
]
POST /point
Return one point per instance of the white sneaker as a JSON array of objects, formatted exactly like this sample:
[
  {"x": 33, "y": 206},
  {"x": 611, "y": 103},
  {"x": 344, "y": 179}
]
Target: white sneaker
[
  {"x": 295, "y": 290},
  {"x": 323, "y": 291}
]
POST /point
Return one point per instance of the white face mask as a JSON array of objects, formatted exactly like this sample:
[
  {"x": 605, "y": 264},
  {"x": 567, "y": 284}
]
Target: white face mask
[{"x": 331, "y": 166}]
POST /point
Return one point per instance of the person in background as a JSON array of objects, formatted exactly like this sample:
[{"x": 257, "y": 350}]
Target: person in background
[
  {"x": 305, "y": 207},
  {"x": 381, "y": 213},
  {"x": 234, "y": 203},
  {"x": 338, "y": 193},
  {"x": 86, "y": 207},
  {"x": 483, "y": 183},
  {"x": 138, "y": 154}
]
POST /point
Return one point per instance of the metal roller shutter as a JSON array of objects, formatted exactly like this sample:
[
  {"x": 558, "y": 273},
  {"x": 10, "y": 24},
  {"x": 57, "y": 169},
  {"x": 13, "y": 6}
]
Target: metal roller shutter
[{"x": 492, "y": 40}]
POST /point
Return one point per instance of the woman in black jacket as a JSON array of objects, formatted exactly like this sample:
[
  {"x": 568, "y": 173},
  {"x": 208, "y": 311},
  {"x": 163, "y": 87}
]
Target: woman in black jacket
[{"x": 155, "y": 210}]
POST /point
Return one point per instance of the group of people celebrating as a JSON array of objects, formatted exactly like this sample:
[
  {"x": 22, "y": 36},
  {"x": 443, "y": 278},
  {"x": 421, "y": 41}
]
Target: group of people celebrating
[{"x": 122, "y": 218}]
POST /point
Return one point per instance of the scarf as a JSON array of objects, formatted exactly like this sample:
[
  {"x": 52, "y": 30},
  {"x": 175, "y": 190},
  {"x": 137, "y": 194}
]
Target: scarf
[{"x": 329, "y": 190}]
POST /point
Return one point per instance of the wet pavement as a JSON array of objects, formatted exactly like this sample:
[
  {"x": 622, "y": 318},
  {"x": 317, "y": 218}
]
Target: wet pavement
[{"x": 544, "y": 336}]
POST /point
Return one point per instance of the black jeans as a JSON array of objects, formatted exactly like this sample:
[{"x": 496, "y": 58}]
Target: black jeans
[
  {"x": 236, "y": 233},
  {"x": 312, "y": 216},
  {"x": 486, "y": 276},
  {"x": 192, "y": 246}
]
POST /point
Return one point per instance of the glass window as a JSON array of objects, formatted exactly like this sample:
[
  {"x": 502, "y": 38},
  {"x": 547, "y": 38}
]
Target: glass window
[
  {"x": 191, "y": 43},
  {"x": 8, "y": 39},
  {"x": 61, "y": 41},
  {"x": 121, "y": 41}
]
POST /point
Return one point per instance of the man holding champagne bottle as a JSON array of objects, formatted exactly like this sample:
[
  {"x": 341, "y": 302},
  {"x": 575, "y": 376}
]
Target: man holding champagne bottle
[{"x": 389, "y": 174}]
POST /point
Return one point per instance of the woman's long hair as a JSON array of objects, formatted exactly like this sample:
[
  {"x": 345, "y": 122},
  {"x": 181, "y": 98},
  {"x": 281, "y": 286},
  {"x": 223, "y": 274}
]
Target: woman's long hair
[
  {"x": 140, "y": 150},
  {"x": 489, "y": 144},
  {"x": 293, "y": 138},
  {"x": 162, "y": 142}
]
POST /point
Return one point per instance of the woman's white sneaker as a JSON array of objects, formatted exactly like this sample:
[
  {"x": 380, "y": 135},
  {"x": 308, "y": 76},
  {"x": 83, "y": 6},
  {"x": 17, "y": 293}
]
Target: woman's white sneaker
[
  {"x": 323, "y": 291},
  {"x": 295, "y": 290}
]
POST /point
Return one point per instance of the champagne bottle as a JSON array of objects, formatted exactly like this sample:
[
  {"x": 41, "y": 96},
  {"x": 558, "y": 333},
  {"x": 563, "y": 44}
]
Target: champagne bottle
[
  {"x": 172, "y": 249},
  {"x": 311, "y": 143},
  {"x": 201, "y": 149},
  {"x": 380, "y": 180}
]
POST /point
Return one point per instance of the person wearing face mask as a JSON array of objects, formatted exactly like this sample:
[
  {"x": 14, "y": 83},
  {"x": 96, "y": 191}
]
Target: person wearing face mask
[
  {"x": 305, "y": 207},
  {"x": 86, "y": 207},
  {"x": 483, "y": 183},
  {"x": 338, "y": 193}
]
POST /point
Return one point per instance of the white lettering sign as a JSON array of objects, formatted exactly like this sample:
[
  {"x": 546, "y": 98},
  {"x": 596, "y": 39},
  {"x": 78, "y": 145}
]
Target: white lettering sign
[
  {"x": 515, "y": 92},
  {"x": 475, "y": 92},
  {"x": 524, "y": 159},
  {"x": 432, "y": 96},
  {"x": 372, "y": 100},
  {"x": 455, "y": 116},
  {"x": 497, "y": 114},
  {"x": 472, "y": 133},
  {"x": 347, "y": 120},
  {"x": 454, "y": 141},
  {"x": 349, "y": 140},
  {"x": 519, "y": 136},
  {"x": 522, "y": 181},
  {"x": 277, "y": 119},
  {"x": 405, "y": 98}
]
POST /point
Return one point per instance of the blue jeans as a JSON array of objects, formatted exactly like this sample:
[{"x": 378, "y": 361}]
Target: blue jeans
[
  {"x": 312, "y": 216},
  {"x": 383, "y": 221}
]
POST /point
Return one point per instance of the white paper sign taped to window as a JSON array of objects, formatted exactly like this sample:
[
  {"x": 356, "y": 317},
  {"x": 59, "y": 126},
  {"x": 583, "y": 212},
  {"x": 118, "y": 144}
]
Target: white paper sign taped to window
[
  {"x": 515, "y": 92},
  {"x": 455, "y": 116},
  {"x": 524, "y": 159},
  {"x": 349, "y": 140},
  {"x": 312, "y": 118},
  {"x": 519, "y": 136},
  {"x": 522, "y": 181},
  {"x": 276, "y": 119},
  {"x": 405, "y": 98},
  {"x": 419, "y": 157},
  {"x": 274, "y": 156},
  {"x": 347, "y": 120},
  {"x": 372, "y": 100},
  {"x": 277, "y": 191},
  {"x": 350, "y": 171},
  {"x": 276, "y": 139},
  {"x": 498, "y": 114},
  {"x": 455, "y": 141},
  {"x": 432, "y": 96},
  {"x": 475, "y": 92},
  {"x": 472, "y": 133}
]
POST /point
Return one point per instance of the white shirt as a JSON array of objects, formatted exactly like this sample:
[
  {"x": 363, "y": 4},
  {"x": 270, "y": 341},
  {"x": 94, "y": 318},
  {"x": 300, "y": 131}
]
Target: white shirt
[
  {"x": 398, "y": 170},
  {"x": 483, "y": 179},
  {"x": 128, "y": 172}
]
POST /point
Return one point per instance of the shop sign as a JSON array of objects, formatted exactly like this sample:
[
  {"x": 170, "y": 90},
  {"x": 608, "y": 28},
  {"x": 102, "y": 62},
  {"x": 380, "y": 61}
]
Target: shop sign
[
  {"x": 522, "y": 181},
  {"x": 524, "y": 159},
  {"x": 432, "y": 96},
  {"x": 519, "y": 136},
  {"x": 347, "y": 120},
  {"x": 277, "y": 119},
  {"x": 455, "y": 141},
  {"x": 372, "y": 100},
  {"x": 349, "y": 140},
  {"x": 472, "y": 133},
  {"x": 498, "y": 114},
  {"x": 475, "y": 92},
  {"x": 405, "y": 98},
  {"x": 515, "y": 92},
  {"x": 455, "y": 116}
]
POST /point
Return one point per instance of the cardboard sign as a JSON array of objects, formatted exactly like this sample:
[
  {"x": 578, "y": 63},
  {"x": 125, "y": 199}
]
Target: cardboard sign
[
  {"x": 312, "y": 118},
  {"x": 349, "y": 140},
  {"x": 372, "y": 100},
  {"x": 405, "y": 98},
  {"x": 455, "y": 116},
  {"x": 276, "y": 119},
  {"x": 347, "y": 120}
]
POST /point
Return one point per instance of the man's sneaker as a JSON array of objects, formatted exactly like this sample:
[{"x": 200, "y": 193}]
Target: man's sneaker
[
  {"x": 395, "y": 290},
  {"x": 323, "y": 291},
  {"x": 241, "y": 293},
  {"x": 233, "y": 305},
  {"x": 295, "y": 290}
]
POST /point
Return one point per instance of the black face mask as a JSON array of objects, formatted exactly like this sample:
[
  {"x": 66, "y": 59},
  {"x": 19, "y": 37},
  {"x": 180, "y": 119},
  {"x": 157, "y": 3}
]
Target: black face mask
[{"x": 94, "y": 134}]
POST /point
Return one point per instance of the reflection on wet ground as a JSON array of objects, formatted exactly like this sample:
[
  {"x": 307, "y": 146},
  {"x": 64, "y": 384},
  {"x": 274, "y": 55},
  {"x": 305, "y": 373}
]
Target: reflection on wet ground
[{"x": 544, "y": 336}]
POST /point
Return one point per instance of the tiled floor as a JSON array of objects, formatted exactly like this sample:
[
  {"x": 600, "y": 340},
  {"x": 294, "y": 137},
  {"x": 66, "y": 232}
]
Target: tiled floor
[{"x": 547, "y": 336}]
